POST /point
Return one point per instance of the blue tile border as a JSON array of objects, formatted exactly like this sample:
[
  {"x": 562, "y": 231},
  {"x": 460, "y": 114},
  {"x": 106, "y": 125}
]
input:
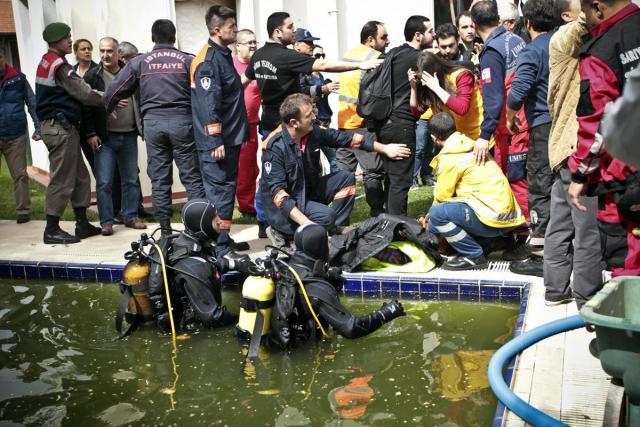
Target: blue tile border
[{"x": 49, "y": 270}]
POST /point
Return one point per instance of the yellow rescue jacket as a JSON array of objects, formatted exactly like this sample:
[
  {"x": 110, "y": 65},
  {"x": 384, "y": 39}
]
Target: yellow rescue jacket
[
  {"x": 348, "y": 118},
  {"x": 469, "y": 124},
  {"x": 483, "y": 187}
]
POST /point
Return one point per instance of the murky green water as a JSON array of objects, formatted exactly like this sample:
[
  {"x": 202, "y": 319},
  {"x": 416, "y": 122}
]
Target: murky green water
[{"x": 59, "y": 365}]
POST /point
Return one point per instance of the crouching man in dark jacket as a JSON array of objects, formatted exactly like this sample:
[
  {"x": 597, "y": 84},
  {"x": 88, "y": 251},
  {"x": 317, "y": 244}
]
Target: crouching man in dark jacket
[{"x": 293, "y": 189}]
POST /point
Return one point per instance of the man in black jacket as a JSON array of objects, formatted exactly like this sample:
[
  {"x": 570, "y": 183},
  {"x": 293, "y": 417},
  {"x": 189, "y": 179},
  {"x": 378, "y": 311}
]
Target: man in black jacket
[
  {"x": 400, "y": 128},
  {"x": 114, "y": 138}
]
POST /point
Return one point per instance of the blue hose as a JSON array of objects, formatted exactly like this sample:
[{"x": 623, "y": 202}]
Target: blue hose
[{"x": 502, "y": 391}]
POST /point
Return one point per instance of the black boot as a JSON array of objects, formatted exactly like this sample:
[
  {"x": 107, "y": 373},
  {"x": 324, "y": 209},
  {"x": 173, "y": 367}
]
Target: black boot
[
  {"x": 165, "y": 227},
  {"x": 460, "y": 263},
  {"x": 53, "y": 234},
  {"x": 532, "y": 266},
  {"x": 262, "y": 230},
  {"x": 83, "y": 228}
]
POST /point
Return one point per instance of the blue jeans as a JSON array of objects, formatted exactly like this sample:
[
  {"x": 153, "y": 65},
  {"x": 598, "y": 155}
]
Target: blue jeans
[
  {"x": 458, "y": 223},
  {"x": 118, "y": 150},
  {"x": 424, "y": 152}
]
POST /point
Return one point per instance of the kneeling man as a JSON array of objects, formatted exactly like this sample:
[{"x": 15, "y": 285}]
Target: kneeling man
[
  {"x": 471, "y": 203},
  {"x": 293, "y": 189}
]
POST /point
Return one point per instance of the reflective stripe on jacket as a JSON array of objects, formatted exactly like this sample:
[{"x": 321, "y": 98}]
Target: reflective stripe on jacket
[
  {"x": 350, "y": 86},
  {"x": 51, "y": 98},
  {"x": 483, "y": 187},
  {"x": 291, "y": 170},
  {"x": 217, "y": 99}
]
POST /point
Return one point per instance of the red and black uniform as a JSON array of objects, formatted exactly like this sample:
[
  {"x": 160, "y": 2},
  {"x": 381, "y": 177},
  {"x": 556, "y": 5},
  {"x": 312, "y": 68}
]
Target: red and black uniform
[
  {"x": 604, "y": 65},
  {"x": 498, "y": 60}
]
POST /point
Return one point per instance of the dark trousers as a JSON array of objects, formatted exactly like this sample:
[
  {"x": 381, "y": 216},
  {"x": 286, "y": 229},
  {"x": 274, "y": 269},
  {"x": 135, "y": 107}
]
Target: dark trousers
[
  {"x": 69, "y": 179},
  {"x": 572, "y": 245},
  {"x": 170, "y": 139},
  {"x": 540, "y": 181},
  {"x": 347, "y": 160},
  {"x": 219, "y": 178},
  {"x": 399, "y": 172}
]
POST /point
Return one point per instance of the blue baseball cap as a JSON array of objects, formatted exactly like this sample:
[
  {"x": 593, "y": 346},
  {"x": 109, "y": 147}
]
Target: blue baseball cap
[{"x": 303, "y": 35}]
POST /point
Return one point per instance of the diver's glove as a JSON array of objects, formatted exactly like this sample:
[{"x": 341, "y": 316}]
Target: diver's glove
[
  {"x": 241, "y": 263},
  {"x": 391, "y": 310}
]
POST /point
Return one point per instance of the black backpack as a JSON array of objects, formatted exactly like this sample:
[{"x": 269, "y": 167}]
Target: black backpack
[{"x": 375, "y": 96}]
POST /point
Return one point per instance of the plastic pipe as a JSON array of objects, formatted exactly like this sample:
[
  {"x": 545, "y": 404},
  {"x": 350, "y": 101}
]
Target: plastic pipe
[{"x": 504, "y": 354}]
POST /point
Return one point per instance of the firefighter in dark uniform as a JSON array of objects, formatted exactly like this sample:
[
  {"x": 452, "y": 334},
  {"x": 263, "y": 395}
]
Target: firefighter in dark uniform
[
  {"x": 60, "y": 93},
  {"x": 165, "y": 104},
  {"x": 219, "y": 118},
  {"x": 293, "y": 190}
]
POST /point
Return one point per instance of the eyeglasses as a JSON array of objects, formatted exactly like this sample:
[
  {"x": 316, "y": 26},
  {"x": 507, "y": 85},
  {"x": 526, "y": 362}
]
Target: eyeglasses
[
  {"x": 253, "y": 43},
  {"x": 319, "y": 55}
]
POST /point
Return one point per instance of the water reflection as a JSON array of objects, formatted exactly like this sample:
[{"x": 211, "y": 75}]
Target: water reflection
[{"x": 60, "y": 365}]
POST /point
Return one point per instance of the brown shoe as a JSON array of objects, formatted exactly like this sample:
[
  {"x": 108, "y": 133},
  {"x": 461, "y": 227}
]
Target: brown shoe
[
  {"x": 107, "y": 229},
  {"x": 136, "y": 224}
]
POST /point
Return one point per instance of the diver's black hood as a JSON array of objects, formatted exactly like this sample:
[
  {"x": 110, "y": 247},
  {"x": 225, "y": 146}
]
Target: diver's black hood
[
  {"x": 197, "y": 217},
  {"x": 312, "y": 241}
]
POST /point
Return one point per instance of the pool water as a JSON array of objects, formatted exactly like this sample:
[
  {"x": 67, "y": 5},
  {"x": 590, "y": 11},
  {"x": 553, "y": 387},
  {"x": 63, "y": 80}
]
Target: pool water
[{"x": 59, "y": 365}]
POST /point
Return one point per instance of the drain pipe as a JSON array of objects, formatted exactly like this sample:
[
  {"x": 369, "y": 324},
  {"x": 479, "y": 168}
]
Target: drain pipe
[{"x": 505, "y": 353}]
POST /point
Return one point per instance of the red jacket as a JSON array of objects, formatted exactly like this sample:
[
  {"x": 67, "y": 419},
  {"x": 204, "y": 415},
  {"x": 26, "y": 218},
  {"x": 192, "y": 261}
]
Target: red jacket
[{"x": 600, "y": 83}]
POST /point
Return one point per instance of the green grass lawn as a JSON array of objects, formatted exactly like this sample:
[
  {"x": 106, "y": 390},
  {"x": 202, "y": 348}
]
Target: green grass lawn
[
  {"x": 419, "y": 202},
  {"x": 8, "y": 201}
]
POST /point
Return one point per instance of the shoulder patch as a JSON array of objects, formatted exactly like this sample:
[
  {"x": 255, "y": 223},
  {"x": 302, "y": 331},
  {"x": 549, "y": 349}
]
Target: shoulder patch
[
  {"x": 486, "y": 75},
  {"x": 205, "y": 82}
]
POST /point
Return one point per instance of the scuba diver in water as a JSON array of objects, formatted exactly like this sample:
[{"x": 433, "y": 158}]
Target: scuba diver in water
[
  {"x": 192, "y": 289},
  {"x": 305, "y": 298}
]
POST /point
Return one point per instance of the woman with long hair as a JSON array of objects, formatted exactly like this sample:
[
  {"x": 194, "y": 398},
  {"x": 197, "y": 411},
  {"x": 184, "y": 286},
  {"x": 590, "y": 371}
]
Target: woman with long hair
[{"x": 441, "y": 85}]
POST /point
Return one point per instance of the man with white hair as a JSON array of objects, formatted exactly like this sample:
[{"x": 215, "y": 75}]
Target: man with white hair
[{"x": 509, "y": 14}]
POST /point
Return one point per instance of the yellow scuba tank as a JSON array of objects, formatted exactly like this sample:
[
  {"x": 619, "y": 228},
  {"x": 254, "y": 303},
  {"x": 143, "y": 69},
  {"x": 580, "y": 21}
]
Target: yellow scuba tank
[
  {"x": 135, "y": 278},
  {"x": 257, "y": 295}
]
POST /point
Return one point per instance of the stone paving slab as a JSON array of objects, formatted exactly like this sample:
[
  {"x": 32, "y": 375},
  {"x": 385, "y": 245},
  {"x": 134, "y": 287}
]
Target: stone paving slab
[
  {"x": 558, "y": 375},
  {"x": 23, "y": 242}
]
